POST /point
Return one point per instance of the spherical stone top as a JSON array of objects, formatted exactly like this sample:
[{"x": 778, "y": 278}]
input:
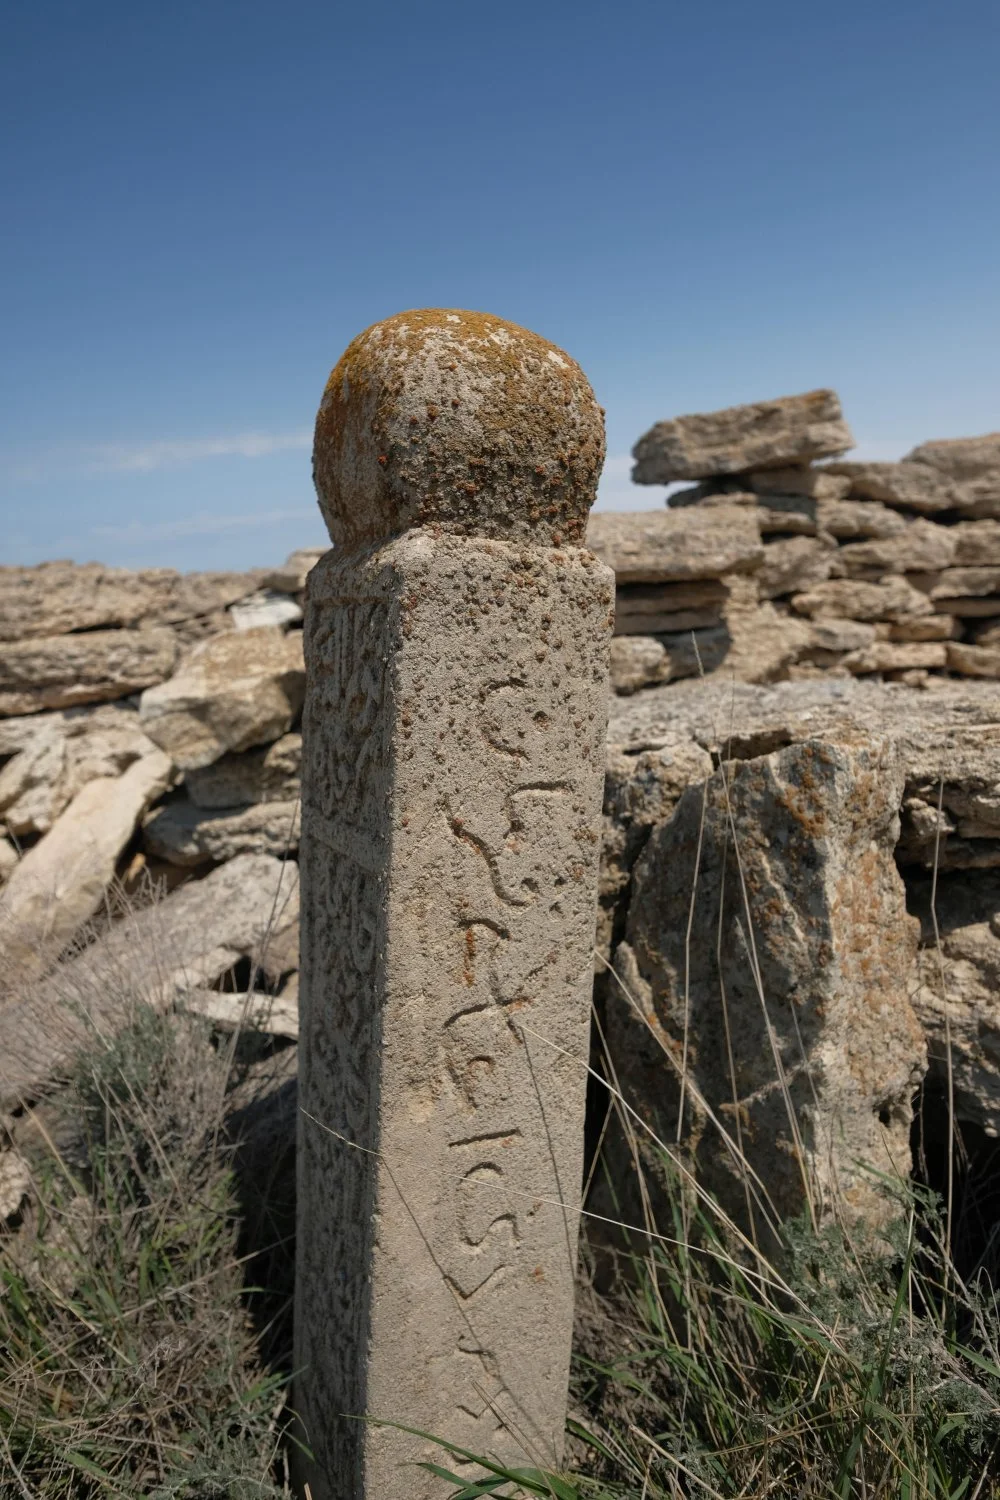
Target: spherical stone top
[{"x": 457, "y": 419}]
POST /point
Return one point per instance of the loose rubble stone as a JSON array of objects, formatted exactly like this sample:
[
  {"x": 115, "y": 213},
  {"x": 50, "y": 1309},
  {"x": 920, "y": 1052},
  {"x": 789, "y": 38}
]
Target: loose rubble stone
[
  {"x": 851, "y": 599},
  {"x": 977, "y": 543},
  {"x": 291, "y": 577},
  {"x": 955, "y": 992},
  {"x": 65, "y": 752},
  {"x": 817, "y": 1011},
  {"x": 839, "y": 636},
  {"x": 55, "y": 598},
  {"x": 230, "y": 693},
  {"x": 974, "y": 661},
  {"x": 667, "y": 546},
  {"x": 910, "y": 486},
  {"x": 764, "y": 435},
  {"x": 961, "y": 583},
  {"x": 922, "y": 628},
  {"x": 892, "y": 656},
  {"x": 972, "y": 465},
  {"x": 190, "y": 939},
  {"x": 267, "y": 775},
  {"x": 266, "y": 607},
  {"x": 188, "y": 835},
  {"x": 60, "y": 882},
  {"x": 15, "y": 1183},
  {"x": 452, "y": 773},
  {"x": 818, "y": 484},
  {"x": 849, "y": 519},
  {"x": 275, "y": 1015},
  {"x": 96, "y": 667},
  {"x": 794, "y": 565},
  {"x": 922, "y": 547},
  {"x": 987, "y": 634}
]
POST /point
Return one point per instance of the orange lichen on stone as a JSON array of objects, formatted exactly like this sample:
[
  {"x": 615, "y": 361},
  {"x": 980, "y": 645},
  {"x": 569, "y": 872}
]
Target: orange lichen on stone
[{"x": 419, "y": 399}]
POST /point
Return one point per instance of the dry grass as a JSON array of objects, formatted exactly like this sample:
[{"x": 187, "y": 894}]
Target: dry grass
[{"x": 137, "y": 1356}]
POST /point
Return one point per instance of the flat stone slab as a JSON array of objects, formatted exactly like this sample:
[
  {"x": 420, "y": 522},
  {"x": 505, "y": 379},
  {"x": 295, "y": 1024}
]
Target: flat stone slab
[
  {"x": 676, "y": 545},
  {"x": 763, "y": 435},
  {"x": 96, "y": 666}
]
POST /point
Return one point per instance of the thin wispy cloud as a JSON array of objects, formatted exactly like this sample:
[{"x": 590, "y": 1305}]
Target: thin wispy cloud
[
  {"x": 201, "y": 525},
  {"x": 167, "y": 453},
  {"x": 147, "y": 456}
]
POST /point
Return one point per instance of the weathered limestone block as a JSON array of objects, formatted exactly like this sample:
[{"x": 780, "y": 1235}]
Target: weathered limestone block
[
  {"x": 909, "y": 486},
  {"x": 788, "y": 513},
  {"x": 266, "y": 607},
  {"x": 921, "y": 548},
  {"x": 64, "y": 752},
  {"x": 229, "y": 693},
  {"x": 291, "y": 577},
  {"x": 641, "y": 789},
  {"x": 921, "y": 628},
  {"x": 676, "y": 546},
  {"x": 892, "y": 656},
  {"x": 57, "y": 597},
  {"x": 794, "y": 565},
  {"x": 852, "y": 599},
  {"x": 977, "y": 544},
  {"x": 271, "y": 774},
  {"x": 956, "y": 993},
  {"x": 974, "y": 661},
  {"x": 95, "y": 667},
  {"x": 850, "y": 519},
  {"x": 453, "y": 761},
  {"x": 60, "y": 882},
  {"x": 818, "y": 484},
  {"x": 186, "y": 835},
  {"x": 972, "y": 465},
  {"x": 836, "y": 637},
  {"x": 813, "y": 1007},
  {"x": 764, "y": 435},
  {"x": 964, "y": 591},
  {"x": 245, "y": 909}
]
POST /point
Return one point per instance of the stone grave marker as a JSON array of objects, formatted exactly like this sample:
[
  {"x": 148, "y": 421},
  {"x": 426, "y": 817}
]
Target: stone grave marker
[{"x": 457, "y": 642}]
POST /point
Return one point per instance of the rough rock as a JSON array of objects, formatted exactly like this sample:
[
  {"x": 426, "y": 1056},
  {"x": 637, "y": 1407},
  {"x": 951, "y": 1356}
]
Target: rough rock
[
  {"x": 850, "y": 519},
  {"x": 794, "y": 565},
  {"x": 59, "y": 883},
  {"x": 291, "y": 577},
  {"x": 922, "y": 547},
  {"x": 790, "y": 514},
  {"x": 972, "y": 465},
  {"x": 65, "y": 752},
  {"x": 267, "y": 607},
  {"x": 267, "y": 775},
  {"x": 15, "y": 1183},
  {"x": 275, "y": 1015},
  {"x": 853, "y": 599},
  {"x": 764, "y": 435},
  {"x": 8, "y": 859},
  {"x": 974, "y": 661},
  {"x": 230, "y": 693},
  {"x": 188, "y": 835},
  {"x": 910, "y": 486},
  {"x": 921, "y": 628},
  {"x": 987, "y": 634},
  {"x": 835, "y": 637},
  {"x": 641, "y": 789},
  {"x": 95, "y": 667},
  {"x": 977, "y": 543},
  {"x": 966, "y": 583},
  {"x": 901, "y": 656},
  {"x": 815, "y": 1011},
  {"x": 817, "y": 484},
  {"x": 956, "y": 992},
  {"x": 187, "y": 940},
  {"x": 58, "y": 597},
  {"x": 676, "y": 546}
]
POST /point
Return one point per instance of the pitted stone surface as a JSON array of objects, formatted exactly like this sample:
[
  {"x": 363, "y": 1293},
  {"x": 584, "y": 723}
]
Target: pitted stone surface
[
  {"x": 460, "y": 419},
  {"x": 453, "y": 764}
]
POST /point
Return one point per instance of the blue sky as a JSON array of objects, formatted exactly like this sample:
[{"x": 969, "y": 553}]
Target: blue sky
[{"x": 704, "y": 203}]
